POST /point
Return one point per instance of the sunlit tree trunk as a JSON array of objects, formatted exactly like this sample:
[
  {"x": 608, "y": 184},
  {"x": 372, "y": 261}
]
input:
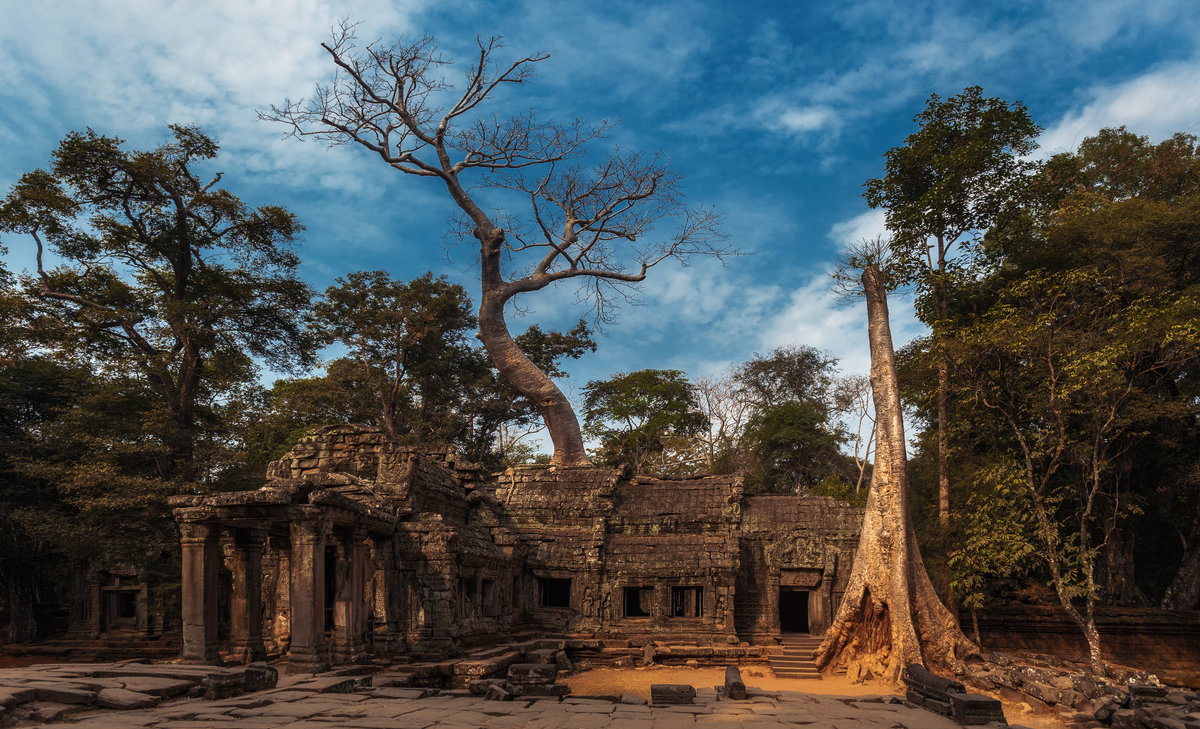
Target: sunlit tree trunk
[
  {"x": 515, "y": 367},
  {"x": 890, "y": 610}
]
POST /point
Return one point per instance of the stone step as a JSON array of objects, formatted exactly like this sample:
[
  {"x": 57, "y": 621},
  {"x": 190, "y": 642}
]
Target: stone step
[{"x": 813, "y": 674}]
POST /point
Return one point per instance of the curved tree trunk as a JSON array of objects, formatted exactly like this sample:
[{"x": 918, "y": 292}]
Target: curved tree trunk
[
  {"x": 1184, "y": 591},
  {"x": 515, "y": 367},
  {"x": 890, "y": 611}
]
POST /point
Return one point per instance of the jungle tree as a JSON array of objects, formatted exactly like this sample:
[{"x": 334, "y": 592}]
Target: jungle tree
[
  {"x": 950, "y": 180},
  {"x": 589, "y": 223},
  {"x": 405, "y": 341},
  {"x": 163, "y": 273},
  {"x": 633, "y": 413}
]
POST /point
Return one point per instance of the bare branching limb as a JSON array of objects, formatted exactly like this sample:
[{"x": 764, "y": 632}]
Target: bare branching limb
[{"x": 592, "y": 223}]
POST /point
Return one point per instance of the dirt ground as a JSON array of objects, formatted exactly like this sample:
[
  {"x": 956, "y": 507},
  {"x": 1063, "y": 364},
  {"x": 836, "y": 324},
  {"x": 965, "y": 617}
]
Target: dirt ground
[{"x": 637, "y": 681}]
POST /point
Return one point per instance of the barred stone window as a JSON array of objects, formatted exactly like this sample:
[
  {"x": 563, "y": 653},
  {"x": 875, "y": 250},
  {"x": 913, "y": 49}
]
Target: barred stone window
[
  {"x": 687, "y": 602},
  {"x": 638, "y": 602}
]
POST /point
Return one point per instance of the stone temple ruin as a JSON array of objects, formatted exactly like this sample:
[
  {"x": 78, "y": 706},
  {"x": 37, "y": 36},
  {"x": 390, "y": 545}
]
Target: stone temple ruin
[{"x": 358, "y": 546}]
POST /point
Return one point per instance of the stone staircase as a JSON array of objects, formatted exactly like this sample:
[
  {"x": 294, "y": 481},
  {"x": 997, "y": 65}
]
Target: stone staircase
[{"x": 796, "y": 661}]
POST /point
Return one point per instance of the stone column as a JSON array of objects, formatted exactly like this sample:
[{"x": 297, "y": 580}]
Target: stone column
[
  {"x": 201, "y": 558},
  {"x": 95, "y": 625},
  {"x": 361, "y": 570},
  {"x": 824, "y": 601},
  {"x": 246, "y": 618},
  {"x": 389, "y": 602},
  {"x": 143, "y": 611},
  {"x": 349, "y": 610},
  {"x": 308, "y": 652}
]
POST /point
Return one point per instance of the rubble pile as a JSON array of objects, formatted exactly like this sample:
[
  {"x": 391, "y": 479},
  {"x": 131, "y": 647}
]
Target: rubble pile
[{"x": 1124, "y": 700}]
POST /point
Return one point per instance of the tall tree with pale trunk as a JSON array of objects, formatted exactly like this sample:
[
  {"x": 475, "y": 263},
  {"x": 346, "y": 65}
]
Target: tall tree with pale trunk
[{"x": 890, "y": 613}]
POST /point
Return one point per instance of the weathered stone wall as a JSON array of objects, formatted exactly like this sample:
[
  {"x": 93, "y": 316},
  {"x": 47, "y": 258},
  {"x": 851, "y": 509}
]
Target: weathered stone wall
[
  {"x": 806, "y": 540},
  {"x": 690, "y": 506},
  {"x": 457, "y": 558}
]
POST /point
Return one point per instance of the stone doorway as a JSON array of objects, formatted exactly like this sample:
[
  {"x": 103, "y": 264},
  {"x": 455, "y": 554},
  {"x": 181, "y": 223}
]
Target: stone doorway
[{"x": 793, "y": 610}]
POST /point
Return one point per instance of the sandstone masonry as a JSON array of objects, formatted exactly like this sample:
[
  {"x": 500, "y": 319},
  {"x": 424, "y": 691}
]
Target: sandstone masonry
[{"x": 359, "y": 546}]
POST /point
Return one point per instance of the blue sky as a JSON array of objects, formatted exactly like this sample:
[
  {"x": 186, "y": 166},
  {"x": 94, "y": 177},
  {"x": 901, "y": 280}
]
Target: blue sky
[{"x": 776, "y": 112}]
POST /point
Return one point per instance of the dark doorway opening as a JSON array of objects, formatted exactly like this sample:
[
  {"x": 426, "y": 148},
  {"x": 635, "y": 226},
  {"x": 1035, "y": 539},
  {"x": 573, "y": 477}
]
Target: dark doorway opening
[
  {"x": 556, "y": 592},
  {"x": 330, "y": 587},
  {"x": 793, "y": 610}
]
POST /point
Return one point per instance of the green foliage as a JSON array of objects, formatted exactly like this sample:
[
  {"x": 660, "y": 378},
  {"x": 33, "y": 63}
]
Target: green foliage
[
  {"x": 163, "y": 274},
  {"x": 1073, "y": 359},
  {"x": 798, "y": 373},
  {"x": 792, "y": 447},
  {"x": 835, "y": 486},
  {"x": 632, "y": 413},
  {"x": 955, "y": 173},
  {"x": 996, "y": 533},
  {"x": 406, "y": 345}
]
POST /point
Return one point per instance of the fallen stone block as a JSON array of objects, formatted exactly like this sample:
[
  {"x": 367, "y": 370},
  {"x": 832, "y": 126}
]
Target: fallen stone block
[
  {"x": 1042, "y": 692},
  {"x": 114, "y": 698},
  {"x": 481, "y": 686},
  {"x": 563, "y": 662},
  {"x": 498, "y": 693},
  {"x": 532, "y": 673},
  {"x": 48, "y": 710},
  {"x": 632, "y": 700},
  {"x": 937, "y": 706},
  {"x": 968, "y": 709},
  {"x": 735, "y": 688},
  {"x": 672, "y": 693},
  {"x": 1146, "y": 694},
  {"x": 540, "y": 689},
  {"x": 917, "y": 678}
]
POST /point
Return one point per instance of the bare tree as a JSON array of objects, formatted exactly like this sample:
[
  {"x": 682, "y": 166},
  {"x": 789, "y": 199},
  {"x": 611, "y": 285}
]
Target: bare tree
[
  {"x": 727, "y": 411},
  {"x": 890, "y": 614},
  {"x": 852, "y": 398},
  {"x": 592, "y": 223}
]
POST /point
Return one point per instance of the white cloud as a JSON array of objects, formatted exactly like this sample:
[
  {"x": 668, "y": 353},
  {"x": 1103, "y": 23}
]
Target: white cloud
[
  {"x": 864, "y": 226},
  {"x": 800, "y": 120},
  {"x": 1156, "y": 104},
  {"x": 136, "y": 65}
]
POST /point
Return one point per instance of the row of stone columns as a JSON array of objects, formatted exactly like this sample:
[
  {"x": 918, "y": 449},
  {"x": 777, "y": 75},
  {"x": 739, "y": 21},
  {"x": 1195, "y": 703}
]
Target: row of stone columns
[{"x": 310, "y": 534}]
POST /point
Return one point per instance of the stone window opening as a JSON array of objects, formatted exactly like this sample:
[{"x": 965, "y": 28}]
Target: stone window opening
[
  {"x": 467, "y": 602},
  {"x": 687, "y": 602},
  {"x": 639, "y": 601},
  {"x": 491, "y": 606},
  {"x": 556, "y": 592}
]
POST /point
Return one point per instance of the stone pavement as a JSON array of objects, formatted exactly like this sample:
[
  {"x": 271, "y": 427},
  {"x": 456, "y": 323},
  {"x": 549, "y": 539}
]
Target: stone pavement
[{"x": 309, "y": 705}]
